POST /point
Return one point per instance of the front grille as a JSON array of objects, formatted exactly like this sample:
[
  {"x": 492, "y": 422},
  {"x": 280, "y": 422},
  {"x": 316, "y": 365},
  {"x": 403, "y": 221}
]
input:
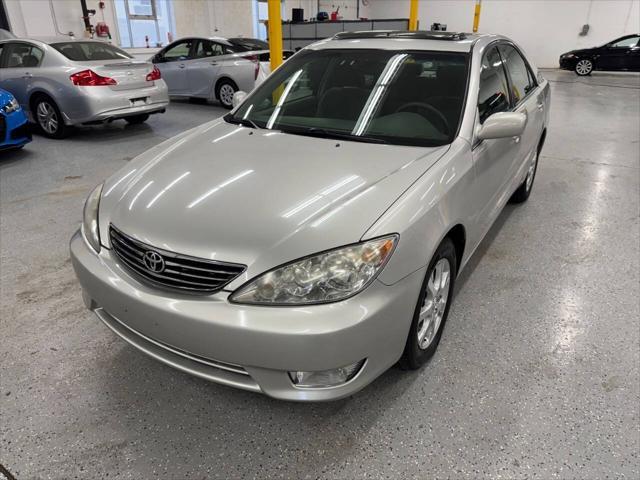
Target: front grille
[
  {"x": 180, "y": 272},
  {"x": 21, "y": 132}
]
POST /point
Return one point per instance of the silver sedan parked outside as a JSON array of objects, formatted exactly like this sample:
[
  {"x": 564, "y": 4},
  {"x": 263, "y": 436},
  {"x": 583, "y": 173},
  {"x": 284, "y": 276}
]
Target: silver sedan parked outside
[
  {"x": 213, "y": 68},
  {"x": 63, "y": 82},
  {"x": 311, "y": 238}
]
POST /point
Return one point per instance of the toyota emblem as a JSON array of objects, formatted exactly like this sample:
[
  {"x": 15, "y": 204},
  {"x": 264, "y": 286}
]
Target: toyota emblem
[{"x": 153, "y": 261}]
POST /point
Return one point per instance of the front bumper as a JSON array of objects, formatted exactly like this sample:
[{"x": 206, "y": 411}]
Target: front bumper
[
  {"x": 100, "y": 104},
  {"x": 250, "y": 347},
  {"x": 568, "y": 63},
  {"x": 14, "y": 130}
]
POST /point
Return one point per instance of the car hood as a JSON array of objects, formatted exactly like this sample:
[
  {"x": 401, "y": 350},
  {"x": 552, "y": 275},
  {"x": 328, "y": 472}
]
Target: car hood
[
  {"x": 581, "y": 51},
  {"x": 257, "y": 197}
]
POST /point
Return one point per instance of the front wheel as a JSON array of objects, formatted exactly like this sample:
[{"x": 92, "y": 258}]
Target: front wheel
[
  {"x": 432, "y": 308},
  {"x": 49, "y": 118},
  {"x": 521, "y": 195},
  {"x": 584, "y": 67},
  {"x": 137, "y": 119},
  {"x": 224, "y": 93}
]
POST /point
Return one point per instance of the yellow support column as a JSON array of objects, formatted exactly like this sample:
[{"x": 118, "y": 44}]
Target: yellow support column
[
  {"x": 275, "y": 33},
  {"x": 476, "y": 16},
  {"x": 413, "y": 15}
]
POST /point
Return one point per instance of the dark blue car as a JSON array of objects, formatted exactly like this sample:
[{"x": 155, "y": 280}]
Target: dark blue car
[{"x": 14, "y": 127}]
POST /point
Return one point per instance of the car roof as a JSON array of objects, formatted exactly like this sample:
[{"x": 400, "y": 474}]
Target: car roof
[
  {"x": 405, "y": 40},
  {"x": 48, "y": 40}
]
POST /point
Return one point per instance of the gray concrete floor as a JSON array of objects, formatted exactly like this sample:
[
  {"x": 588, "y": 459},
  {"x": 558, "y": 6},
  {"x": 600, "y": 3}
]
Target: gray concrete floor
[{"x": 537, "y": 375}]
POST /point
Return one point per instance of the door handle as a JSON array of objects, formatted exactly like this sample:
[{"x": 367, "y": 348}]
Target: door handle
[
  {"x": 27, "y": 75},
  {"x": 541, "y": 106},
  {"x": 214, "y": 63},
  {"x": 516, "y": 139},
  {"x": 181, "y": 65}
]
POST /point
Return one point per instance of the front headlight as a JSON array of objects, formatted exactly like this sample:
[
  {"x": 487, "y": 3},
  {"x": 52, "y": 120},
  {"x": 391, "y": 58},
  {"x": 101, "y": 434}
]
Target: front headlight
[
  {"x": 90, "y": 229},
  {"x": 12, "y": 106},
  {"x": 326, "y": 277}
]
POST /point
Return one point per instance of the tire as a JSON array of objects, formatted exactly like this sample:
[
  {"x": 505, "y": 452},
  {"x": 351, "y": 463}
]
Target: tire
[
  {"x": 48, "y": 118},
  {"x": 423, "y": 338},
  {"x": 521, "y": 195},
  {"x": 584, "y": 67},
  {"x": 224, "y": 92},
  {"x": 137, "y": 119}
]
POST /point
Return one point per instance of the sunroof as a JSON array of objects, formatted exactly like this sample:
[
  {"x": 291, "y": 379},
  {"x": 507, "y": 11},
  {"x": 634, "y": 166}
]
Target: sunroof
[{"x": 423, "y": 35}]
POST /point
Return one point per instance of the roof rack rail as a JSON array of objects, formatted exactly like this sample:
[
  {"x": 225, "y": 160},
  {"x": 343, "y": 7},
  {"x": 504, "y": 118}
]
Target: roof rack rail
[{"x": 420, "y": 35}]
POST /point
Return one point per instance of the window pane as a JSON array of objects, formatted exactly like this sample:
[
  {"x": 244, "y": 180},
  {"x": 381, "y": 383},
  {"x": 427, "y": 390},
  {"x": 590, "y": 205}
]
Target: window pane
[
  {"x": 88, "y": 51},
  {"x": 248, "y": 44},
  {"x": 179, "y": 51},
  {"x": 518, "y": 71},
  {"x": 164, "y": 19},
  {"x": 627, "y": 42},
  {"x": 123, "y": 24},
  {"x": 400, "y": 98},
  {"x": 493, "y": 96},
  {"x": 140, "y": 7},
  {"x": 21, "y": 55},
  {"x": 207, "y": 48},
  {"x": 141, "y": 29}
]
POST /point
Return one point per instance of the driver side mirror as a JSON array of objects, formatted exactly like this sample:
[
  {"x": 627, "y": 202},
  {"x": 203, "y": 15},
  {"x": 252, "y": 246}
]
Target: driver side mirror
[
  {"x": 238, "y": 98},
  {"x": 502, "y": 125}
]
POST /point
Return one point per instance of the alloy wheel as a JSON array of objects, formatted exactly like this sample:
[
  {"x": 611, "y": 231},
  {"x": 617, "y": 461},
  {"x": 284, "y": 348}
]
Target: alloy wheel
[
  {"x": 226, "y": 94},
  {"x": 435, "y": 303},
  {"x": 584, "y": 67},
  {"x": 531, "y": 172},
  {"x": 47, "y": 117}
]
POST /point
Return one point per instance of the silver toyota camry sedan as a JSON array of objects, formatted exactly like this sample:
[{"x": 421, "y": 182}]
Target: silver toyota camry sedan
[
  {"x": 63, "y": 82},
  {"x": 311, "y": 239}
]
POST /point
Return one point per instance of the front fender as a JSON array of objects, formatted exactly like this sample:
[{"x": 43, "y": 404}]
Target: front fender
[{"x": 427, "y": 211}]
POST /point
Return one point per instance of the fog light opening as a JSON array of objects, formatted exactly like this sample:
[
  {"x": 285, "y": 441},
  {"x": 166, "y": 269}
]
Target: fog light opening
[{"x": 326, "y": 378}]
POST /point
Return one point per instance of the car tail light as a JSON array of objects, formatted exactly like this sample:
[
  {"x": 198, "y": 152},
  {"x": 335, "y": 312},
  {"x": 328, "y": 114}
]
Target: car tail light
[
  {"x": 256, "y": 61},
  {"x": 154, "y": 75},
  {"x": 89, "y": 78}
]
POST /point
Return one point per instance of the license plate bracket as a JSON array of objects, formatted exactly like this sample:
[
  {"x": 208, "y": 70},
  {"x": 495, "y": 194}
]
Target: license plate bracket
[{"x": 139, "y": 101}]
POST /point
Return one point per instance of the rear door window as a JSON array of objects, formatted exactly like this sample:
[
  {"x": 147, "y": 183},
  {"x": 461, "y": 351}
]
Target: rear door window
[
  {"x": 21, "y": 55},
  {"x": 207, "y": 48},
  {"x": 522, "y": 81},
  {"x": 494, "y": 89}
]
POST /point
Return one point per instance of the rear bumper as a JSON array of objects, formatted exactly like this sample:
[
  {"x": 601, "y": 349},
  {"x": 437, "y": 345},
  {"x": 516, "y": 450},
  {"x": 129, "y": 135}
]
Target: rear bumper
[
  {"x": 260, "y": 344},
  {"x": 99, "y": 104}
]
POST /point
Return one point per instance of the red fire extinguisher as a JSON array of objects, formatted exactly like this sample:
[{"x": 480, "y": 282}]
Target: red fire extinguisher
[{"x": 102, "y": 30}]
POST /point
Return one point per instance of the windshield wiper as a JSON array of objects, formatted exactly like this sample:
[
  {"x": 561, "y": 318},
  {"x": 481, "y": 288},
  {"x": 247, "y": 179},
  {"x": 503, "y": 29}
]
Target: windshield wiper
[
  {"x": 324, "y": 133},
  {"x": 245, "y": 122}
]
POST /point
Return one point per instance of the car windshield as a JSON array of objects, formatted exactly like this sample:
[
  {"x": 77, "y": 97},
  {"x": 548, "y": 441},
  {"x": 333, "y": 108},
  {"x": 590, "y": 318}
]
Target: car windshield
[
  {"x": 405, "y": 98},
  {"x": 248, "y": 44},
  {"x": 88, "y": 51}
]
